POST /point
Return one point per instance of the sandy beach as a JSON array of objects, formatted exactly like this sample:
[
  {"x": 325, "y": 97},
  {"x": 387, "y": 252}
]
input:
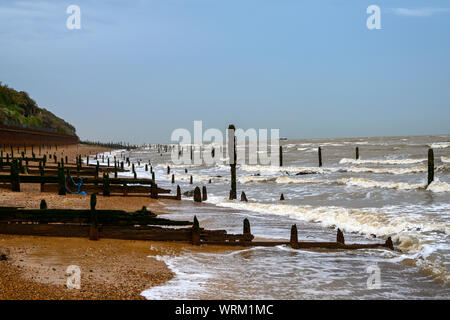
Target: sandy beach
[
  {"x": 110, "y": 269},
  {"x": 35, "y": 267}
]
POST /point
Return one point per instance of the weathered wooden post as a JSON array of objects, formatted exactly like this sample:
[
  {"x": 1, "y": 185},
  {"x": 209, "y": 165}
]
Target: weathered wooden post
[
  {"x": 246, "y": 228},
  {"x": 61, "y": 182},
  {"x": 197, "y": 195},
  {"x": 97, "y": 170},
  {"x": 191, "y": 180},
  {"x": 121, "y": 165},
  {"x": 21, "y": 167},
  {"x": 154, "y": 191},
  {"x": 320, "y": 156},
  {"x": 115, "y": 169},
  {"x": 340, "y": 237},
  {"x": 15, "y": 179},
  {"x": 243, "y": 197},
  {"x": 430, "y": 166},
  {"x": 282, "y": 197},
  {"x": 389, "y": 244},
  {"x": 26, "y": 165},
  {"x": 41, "y": 172},
  {"x": 281, "y": 156},
  {"x": 106, "y": 185},
  {"x": 146, "y": 167},
  {"x": 357, "y": 153},
  {"x": 178, "y": 193},
  {"x": 173, "y": 178},
  {"x": 196, "y": 232},
  {"x": 168, "y": 170},
  {"x": 294, "y": 237},
  {"x": 93, "y": 230},
  {"x": 232, "y": 156},
  {"x": 204, "y": 194},
  {"x": 43, "y": 205},
  {"x": 153, "y": 176}
]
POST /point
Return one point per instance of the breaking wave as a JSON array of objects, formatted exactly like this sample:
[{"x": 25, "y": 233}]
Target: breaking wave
[
  {"x": 367, "y": 183},
  {"x": 440, "y": 145},
  {"x": 416, "y": 169},
  {"x": 381, "y": 161}
]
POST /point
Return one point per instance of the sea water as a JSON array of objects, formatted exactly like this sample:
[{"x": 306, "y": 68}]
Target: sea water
[{"x": 383, "y": 193}]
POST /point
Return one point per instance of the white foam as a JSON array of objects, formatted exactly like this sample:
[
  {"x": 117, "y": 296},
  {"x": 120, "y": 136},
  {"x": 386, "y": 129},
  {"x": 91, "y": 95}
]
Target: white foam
[
  {"x": 187, "y": 279},
  {"x": 367, "y": 183},
  {"x": 381, "y": 161},
  {"x": 275, "y": 169},
  {"x": 440, "y": 145},
  {"x": 445, "y": 159},
  {"x": 364, "y": 221},
  {"x": 416, "y": 169},
  {"x": 438, "y": 186}
]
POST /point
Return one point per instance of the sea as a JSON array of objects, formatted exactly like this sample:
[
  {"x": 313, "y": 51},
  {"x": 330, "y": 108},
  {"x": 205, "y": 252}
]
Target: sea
[{"x": 382, "y": 194}]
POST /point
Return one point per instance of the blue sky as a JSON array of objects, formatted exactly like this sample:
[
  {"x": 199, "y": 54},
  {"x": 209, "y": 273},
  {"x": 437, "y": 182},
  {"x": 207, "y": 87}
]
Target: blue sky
[{"x": 137, "y": 70}]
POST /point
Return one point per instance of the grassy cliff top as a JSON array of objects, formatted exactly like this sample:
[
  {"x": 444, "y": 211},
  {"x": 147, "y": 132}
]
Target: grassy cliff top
[{"x": 18, "y": 109}]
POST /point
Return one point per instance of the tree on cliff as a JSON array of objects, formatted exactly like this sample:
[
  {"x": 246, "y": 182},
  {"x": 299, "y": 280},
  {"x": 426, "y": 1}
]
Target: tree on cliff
[{"x": 18, "y": 109}]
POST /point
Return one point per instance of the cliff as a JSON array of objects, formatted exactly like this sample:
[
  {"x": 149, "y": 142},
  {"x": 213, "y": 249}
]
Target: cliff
[{"x": 17, "y": 109}]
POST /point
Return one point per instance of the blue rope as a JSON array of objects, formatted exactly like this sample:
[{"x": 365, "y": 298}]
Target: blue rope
[{"x": 78, "y": 185}]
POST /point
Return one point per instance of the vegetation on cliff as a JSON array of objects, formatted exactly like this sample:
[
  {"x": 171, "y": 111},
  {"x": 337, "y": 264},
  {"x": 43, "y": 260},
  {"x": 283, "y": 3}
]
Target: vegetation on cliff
[{"x": 19, "y": 110}]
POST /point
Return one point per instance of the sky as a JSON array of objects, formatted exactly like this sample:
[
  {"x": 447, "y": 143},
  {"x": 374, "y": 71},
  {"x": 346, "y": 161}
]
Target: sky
[{"x": 137, "y": 70}]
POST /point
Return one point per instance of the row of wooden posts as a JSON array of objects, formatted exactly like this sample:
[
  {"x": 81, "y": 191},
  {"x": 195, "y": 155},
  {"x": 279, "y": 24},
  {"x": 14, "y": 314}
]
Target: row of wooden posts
[
  {"x": 144, "y": 225},
  {"x": 63, "y": 173}
]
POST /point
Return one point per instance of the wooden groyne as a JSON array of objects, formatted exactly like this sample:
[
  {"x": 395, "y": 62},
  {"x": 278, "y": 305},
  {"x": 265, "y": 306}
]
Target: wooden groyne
[
  {"x": 145, "y": 225},
  {"x": 58, "y": 175}
]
